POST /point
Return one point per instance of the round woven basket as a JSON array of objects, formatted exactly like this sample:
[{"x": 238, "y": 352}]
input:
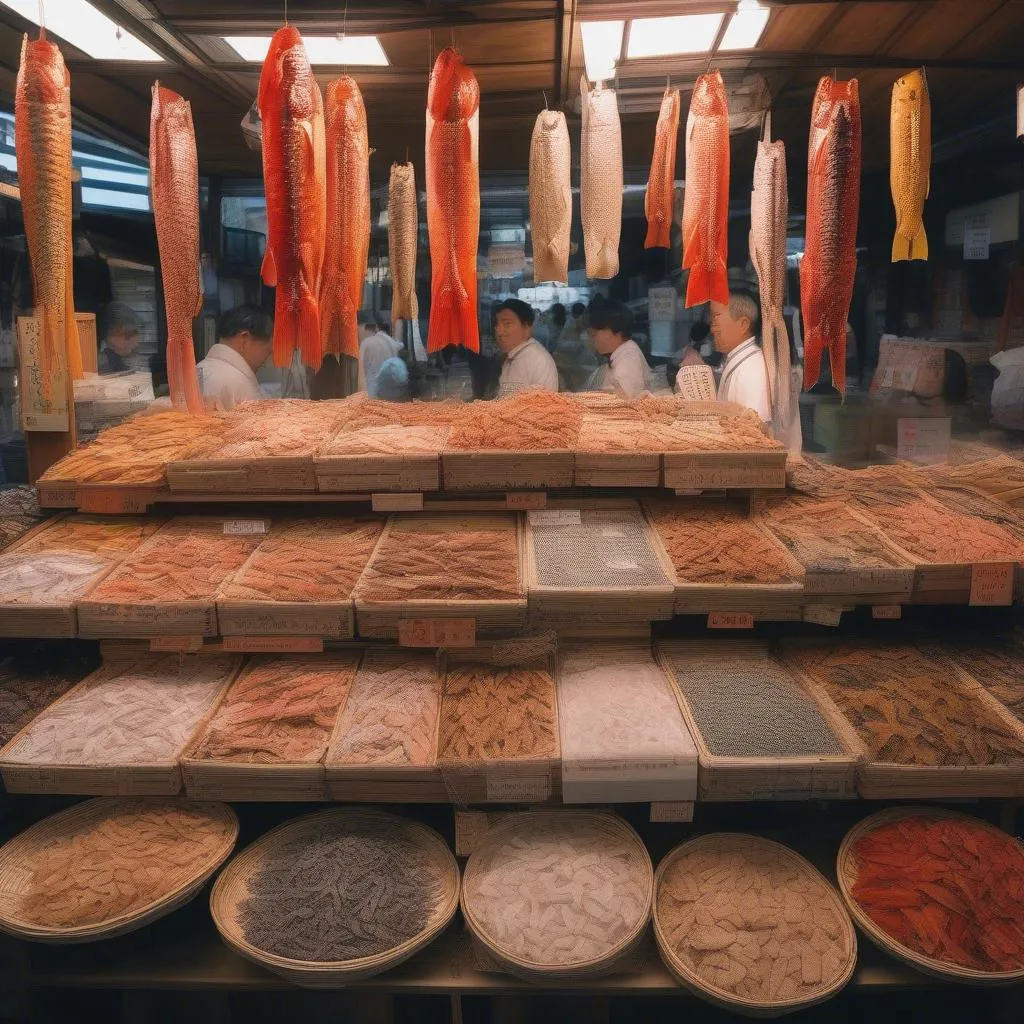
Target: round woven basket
[
  {"x": 686, "y": 976},
  {"x": 17, "y": 869},
  {"x": 847, "y": 870},
  {"x": 603, "y": 831},
  {"x": 232, "y": 889}
]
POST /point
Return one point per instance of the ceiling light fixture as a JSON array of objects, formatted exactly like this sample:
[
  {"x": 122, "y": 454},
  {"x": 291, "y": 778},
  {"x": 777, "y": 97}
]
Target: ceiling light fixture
[
  {"x": 83, "y": 26},
  {"x": 664, "y": 37},
  {"x": 746, "y": 26},
  {"x": 364, "y": 50},
  {"x": 602, "y": 47}
]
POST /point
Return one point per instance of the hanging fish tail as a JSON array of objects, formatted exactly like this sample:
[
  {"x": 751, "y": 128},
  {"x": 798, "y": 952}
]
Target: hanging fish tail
[
  {"x": 784, "y": 399},
  {"x": 915, "y": 248},
  {"x": 708, "y": 282},
  {"x": 71, "y": 338},
  {"x": 814, "y": 345},
  {"x": 770, "y": 348},
  {"x": 837, "y": 360},
  {"x": 339, "y": 332},
  {"x": 50, "y": 345},
  {"x": 182, "y": 378},
  {"x": 657, "y": 233},
  {"x": 309, "y": 330},
  {"x": 448, "y": 318}
]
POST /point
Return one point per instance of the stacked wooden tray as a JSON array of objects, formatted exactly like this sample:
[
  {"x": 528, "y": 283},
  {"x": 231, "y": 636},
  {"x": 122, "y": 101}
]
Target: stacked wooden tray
[{"x": 359, "y": 460}]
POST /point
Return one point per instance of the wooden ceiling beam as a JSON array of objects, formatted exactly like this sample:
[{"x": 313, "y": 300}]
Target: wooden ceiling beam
[
  {"x": 565, "y": 37},
  {"x": 358, "y": 24}
]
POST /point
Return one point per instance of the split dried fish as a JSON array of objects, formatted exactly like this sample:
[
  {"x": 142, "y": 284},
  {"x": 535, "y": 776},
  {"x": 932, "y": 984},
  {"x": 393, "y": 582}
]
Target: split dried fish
[
  {"x": 24, "y": 694},
  {"x": 550, "y": 197},
  {"x": 996, "y": 663},
  {"x": 49, "y": 578},
  {"x": 529, "y": 421},
  {"x": 93, "y": 535},
  {"x": 392, "y": 439}
]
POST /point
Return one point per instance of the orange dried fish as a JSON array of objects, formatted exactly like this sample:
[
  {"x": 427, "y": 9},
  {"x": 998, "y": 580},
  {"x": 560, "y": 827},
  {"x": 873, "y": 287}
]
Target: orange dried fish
[
  {"x": 528, "y": 421},
  {"x": 92, "y": 534}
]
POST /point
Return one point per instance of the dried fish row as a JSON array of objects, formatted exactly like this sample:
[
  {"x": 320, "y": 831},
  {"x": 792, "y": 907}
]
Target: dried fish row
[
  {"x": 305, "y": 561},
  {"x": 83, "y": 534},
  {"x": 529, "y": 421},
  {"x": 340, "y": 891},
  {"x": 286, "y": 428},
  {"x": 996, "y": 663},
  {"x": 19, "y": 513},
  {"x": 52, "y": 578},
  {"x": 391, "y": 716},
  {"x": 745, "y": 919},
  {"x": 387, "y": 439},
  {"x": 26, "y": 693},
  {"x": 909, "y": 707},
  {"x": 555, "y": 891},
  {"x": 139, "y": 711},
  {"x": 719, "y": 544},
  {"x": 808, "y": 475},
  {"x": 278, "y": 711}
]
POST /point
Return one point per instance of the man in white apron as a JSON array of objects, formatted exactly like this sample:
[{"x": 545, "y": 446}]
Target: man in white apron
[{"x": 744, "y": 378}]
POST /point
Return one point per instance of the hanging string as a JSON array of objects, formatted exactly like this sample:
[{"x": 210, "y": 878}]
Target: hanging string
[
  {"x": 344, "y": 35},
  {"x": 545, "y": 95},
  {"x": 42, "y": 19},
  {"x": 286, "y": 12}
]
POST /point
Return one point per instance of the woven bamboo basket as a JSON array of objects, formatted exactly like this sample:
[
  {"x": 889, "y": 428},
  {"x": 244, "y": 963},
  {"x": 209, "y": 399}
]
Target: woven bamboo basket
[
  {"x": 16, "y": 875},
  {"x": 847, "y": 869},
  {"x": 232, "y": 888},
  {"x": 497, "y": 470},
  {"x": 720, "y": 996},
  {"x": 605, "y": 829}
]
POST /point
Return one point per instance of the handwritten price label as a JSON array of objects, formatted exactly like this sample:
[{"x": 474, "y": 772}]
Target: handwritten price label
[
  {"x": 886, "y": 611},
  {"x": 245, "y": 527},
  {"x": 730, "y": 620},
  {"x": 671, "y": 810},
  {"x": 823, "y": 614},
  {"x": 273, "y": 644},
  {"x": 526, "y": 499},
  {"x": 437, "y": 632},
  {"x": 992, "y": 583},
  {"x": 556, "y": 517},
  {"x": 176, "y": 644}
]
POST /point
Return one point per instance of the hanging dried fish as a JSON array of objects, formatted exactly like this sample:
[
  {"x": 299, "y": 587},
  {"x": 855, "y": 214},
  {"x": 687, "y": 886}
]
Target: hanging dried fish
[
  {"x": 601, "y": 180},
  {"x": 910, "y": 160},
  {"x": 660, "y": 200},
  {"x": 403, "y": 241},
  {"x": 550, "y": 197}
]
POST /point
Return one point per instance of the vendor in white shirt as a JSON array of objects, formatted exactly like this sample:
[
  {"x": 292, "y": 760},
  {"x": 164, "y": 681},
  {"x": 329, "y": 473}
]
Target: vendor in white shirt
[
  {"x": 627, "y": 372},
  {"x": 227, "y": 376},
  {"x": 744, "y": 378},
  {"x": 528, "y": 364},
  {"x": 376, "y": 347}
]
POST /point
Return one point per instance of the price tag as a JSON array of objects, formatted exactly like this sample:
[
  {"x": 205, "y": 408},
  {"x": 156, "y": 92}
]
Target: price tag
[
  {"x": 730, "y": 620},
  {"x": 526, "y": 499},
  {"x": 470, "y": 828},
  {"x": 176, "y": 644},
  {"x": 273, "y": 644},
  {"x": 397, "y": 502},
  {"x": 555, "y": 517},
  {"x": 503, "y": 788},
  {"x": 823, "y": 614},
  {"x": 671, "y": 810},
  {"x": 437, "y": 632},
  {"x": 886, "y": 611},
  {"x": 992, "y": 583},
  {"x": 245, "y": 527},
  {"x": 925, "y": 441}
]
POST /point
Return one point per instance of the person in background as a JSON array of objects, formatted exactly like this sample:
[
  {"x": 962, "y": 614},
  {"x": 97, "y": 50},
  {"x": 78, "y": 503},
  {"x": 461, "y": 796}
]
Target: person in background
[
  {"x": 527, "y": 363},
  {"x": 698, "y": 335},
  {"x": 1008, "y": 389},
  {"x": 227, "y": 376},
  {"x": 611, "y": 328},
  {"x": 120, "y": 338},
  {"x": 574, "y": 356},
  {"x": 393, "y": 381},
  {"x": 558, "y": 318},
  {"x": 376, "y": 346},
  {"x": 744, "y": 379},
  {"x": 942, "y": 381}
]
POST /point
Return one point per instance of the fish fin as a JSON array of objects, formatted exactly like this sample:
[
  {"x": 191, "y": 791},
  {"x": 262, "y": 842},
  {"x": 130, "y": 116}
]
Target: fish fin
[
  {"x": 268, "y": 271},
  {"x": 919, "y": 245},
  {"x": 309, "y": 331},
  {"x": 71, "y": 339},
  {"x": 837, "y": 362},
  {"x": 447, "y": 317},
  {"x": 49, "y": 349},
  {"x": 813, "y": 347},
  {"x": 285, "y": 330},
  {"x": 189, "y": 377},
  {"x": 339, "y": 332},
  {"x": 657, "y": 234},
  {"x": 708, "y": 284}
]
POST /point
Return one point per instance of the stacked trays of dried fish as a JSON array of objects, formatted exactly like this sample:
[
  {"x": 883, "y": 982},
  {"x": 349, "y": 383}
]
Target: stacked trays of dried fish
[
  {"x": 498, "y": 732},
  {"x": 998, "y": 474},
  {"x": 391, "y": 457},
  {"x": 750, "y": 926},
  {"x": 843, "y": 554},
  {"x": 19, "y": 512},
  {"x": 939, "y": 890},
  {"x": 45, "y": 574},
  {"x": 121, "y": 730},
  {"x": 607, "y": 564},
  {"x": 925, "y": 728},
  {"x": 299, "y": 581},
  {"x": 995, "y": 662},
  {"x": 526, "y": 440},
  {"x": 376, "y": 889},
  {"x": 132, "y": 455},
  {"x": 726, "y": 561},
  {"x": 616, "y": 453},
  {"x": 443, "y": 567},
  {"x": 622, "y": 735},
  {"x": 269, "y": 734},
  {"x": 107, "y": 867},
  {"x": 267, "y": 446},
  {"x": 384, "y": 746},
  {"x": 561, "y": 895},
  {"x": 169, "y": 585},
  {"x": 945, "y": 532},
  {"x": 760, "y": 732}
]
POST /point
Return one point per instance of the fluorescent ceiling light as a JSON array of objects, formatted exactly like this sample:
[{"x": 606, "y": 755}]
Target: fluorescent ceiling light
[
  {"x": 80, "y": 24},
  {"x": 746, "y": 26},
  {"x": 662, "y": 37},
  {"x": 602, "y": 47},
  {"x": 321, "y": 49}
]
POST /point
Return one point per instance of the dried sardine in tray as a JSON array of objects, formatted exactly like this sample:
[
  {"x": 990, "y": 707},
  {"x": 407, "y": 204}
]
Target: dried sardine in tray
[
  {"x": 299, "y": 581},
  {"x": 607, "y": 566},
  {"x": 269, "y": 734},
  {"x": 925, "y": 728},
  {"x": 726, "y": 561},
  {"x": 267, "y": 446},
  {"x": 121, "y": 730},
  {"x": 384, "y": 746},
  {"x": 749, "y": 925},
  {"x": 761, "y": 734},
  {"x": 55, "y": 877},
  {"x": 391, "y": 457},
  {"x": 168, "y": 586},
  {"x": 997, "y": 663},
  {"x": 378, "y": 888},
  {"x": 443, "y": 567},
  {"x": 525, "y": 440},
  {"x": 843, "y": 554},
  {"x": 26, "y": 690},
  {"x": 554, "y": 895},
  {"x": 498, "y": 733},
  {"x": 46, "y": 573},
  {"x": 622, "y": 735}
]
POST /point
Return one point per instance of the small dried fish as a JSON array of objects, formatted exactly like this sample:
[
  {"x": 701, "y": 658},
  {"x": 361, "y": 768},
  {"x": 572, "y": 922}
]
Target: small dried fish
[{"x": 529, "y": 421}]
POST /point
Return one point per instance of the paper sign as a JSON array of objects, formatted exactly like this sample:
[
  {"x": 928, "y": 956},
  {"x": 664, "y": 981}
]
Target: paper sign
[
  {"x": 730, "y": 620},
  {"x": 526, "y": 499},
  {"x": 886, "y": 611},
  {"x": 470, "y": 828},
  {"x": 925, "y": 441},
  {"x": 176, "y": 643},
  {"x": 245, "y": 527},
  {"x": 437, "y": 632},
  {"x": 661, "y": 304},
  {"x": 273, "y": 644},
  {"x": 992, "y": 583},
  {"x": 823, "y": 614},
  {"x": 37, "y": 411},
  {"x": 671, "y": 810},
  {"x": 976, "y": 242},
  {"x": 397, "y": 502},
  {"x": 555, "y": 517}
]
